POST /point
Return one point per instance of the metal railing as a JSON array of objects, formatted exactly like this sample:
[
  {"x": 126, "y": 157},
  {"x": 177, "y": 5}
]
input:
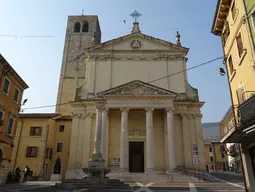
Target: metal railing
[{"x": 200, "y": 174}]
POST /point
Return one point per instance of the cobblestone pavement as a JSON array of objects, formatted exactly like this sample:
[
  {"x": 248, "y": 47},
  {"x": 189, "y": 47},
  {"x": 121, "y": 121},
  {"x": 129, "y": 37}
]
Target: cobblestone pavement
[{"x": 215, "y": 186}]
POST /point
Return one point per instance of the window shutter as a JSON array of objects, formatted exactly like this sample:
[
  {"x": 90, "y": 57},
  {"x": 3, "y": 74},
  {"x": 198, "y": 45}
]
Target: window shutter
[
  {"x": 240, "y": 95},
  {"x": 35, "y": 151},
  {"x": 28, "y": 152},
  {"x": 50, "y": 155},
  {"x": 40, "y": 131},
  {"x": 32, "y": 130}
]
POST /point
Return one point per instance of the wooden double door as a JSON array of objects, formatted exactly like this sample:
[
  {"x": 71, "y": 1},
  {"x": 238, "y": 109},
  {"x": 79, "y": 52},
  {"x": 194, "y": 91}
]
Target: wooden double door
[{"x": 136, "y": 157}]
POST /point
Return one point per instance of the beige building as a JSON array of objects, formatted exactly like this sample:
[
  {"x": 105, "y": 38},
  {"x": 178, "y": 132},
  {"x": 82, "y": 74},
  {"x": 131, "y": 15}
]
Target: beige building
[
  {"x": 40, "y": 139},
  {"x": 148, "y": 126},
  {"x": 216, "y": 156}
]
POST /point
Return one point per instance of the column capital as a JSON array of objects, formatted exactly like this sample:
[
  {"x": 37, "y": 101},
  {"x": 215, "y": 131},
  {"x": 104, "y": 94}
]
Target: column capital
[
  {"x": 124, "y": 109},
  {"x": 149, "y": 109},
  {"x": 170, "y": 109},
  {"x": 106, "y": 110},
  {"x": 185, "y": 115},
  {"x": 76, "y": 115},
  {"x": 100, "y": 108},
  {"x": 197, "y": 116},
  {"x": 89, "y": 115}
]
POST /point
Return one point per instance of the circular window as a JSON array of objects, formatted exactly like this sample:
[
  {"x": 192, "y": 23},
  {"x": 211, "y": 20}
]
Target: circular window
[{"x": 136, "y": 44}]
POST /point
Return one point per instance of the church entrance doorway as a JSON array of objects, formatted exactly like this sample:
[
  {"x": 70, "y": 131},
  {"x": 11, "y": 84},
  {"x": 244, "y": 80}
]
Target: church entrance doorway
[{"x": 136, "y": 157}]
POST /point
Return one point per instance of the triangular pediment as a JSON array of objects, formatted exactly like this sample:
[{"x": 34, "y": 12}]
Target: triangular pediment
[
  {"x": 147, "y": 43},
  {"x": 137, "y": 88}
]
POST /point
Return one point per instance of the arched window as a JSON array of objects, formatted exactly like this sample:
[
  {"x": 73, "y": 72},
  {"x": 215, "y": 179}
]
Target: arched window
[
  {"x": 77, "y": 27},
  {"x": 1, "y": 156},
  {"x": 85, "y": 27}
]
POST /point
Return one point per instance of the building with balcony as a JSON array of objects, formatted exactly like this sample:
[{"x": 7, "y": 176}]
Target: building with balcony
[
  {"x": 11, "y": 92},
  {"x": 216, "y": 156},
  {"x": 40, "y": 139},
  {"x": 232, "y": 22}
]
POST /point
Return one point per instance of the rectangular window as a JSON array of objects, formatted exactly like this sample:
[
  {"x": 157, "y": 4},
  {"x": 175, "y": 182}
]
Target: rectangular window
[
  {"x": 16, "y": 95},
  {"x": 239, "y": 43},
  {"x": 35, "y": 131},
  {"x": 222, "y": 147},
  {"x": 225, "y": 34},
  {"x": 31, "y": 151},
  {"x": 10, "y": 126},
  {"x": 59, "y": 147},
  {"x": 61, "y": 128},
  {"x": 233, "y": 10},
  {"x": 211, "y": 159},
  {"x": 210, "y": 149},
  {"x": 6, "y": 86},
  {"x": 230, "y": 65},
  {"x": 222, "y": 155},
  {"x": 1, "y": 115},
  {"x": 212, "y": 167},
  {"x": 253, "y": 20}
]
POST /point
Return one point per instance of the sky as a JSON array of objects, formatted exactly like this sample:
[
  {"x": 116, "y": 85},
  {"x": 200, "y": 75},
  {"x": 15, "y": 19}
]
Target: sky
[{"x": 38, "y": 60}]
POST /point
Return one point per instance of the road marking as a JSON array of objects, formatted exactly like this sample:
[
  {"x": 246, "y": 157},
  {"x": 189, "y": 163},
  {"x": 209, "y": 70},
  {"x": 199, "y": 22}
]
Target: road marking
[
  {"x": 144, "y": 187},
  {"x": 230, "y": 183},
  {"x": 192, "y": 187}
]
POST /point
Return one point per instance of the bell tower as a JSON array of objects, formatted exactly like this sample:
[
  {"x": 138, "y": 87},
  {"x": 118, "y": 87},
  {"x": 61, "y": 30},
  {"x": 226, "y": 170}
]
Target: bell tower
[{"x": 79, "y": 34}]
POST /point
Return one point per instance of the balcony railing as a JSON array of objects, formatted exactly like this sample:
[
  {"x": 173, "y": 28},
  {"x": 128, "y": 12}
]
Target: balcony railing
[
  {"x": 229, "y": 128},
  {"x": 247, "y": 113}
]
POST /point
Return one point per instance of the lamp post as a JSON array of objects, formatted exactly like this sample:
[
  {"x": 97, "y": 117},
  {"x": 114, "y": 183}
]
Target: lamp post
[{"x": 21, "y": 128}]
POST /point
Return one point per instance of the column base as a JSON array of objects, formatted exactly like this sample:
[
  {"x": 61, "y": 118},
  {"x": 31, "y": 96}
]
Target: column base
[
  {"x": 150, "y": 171},
  {"x": 75, "y": 174},
  {"x": 171, "y": 171}
]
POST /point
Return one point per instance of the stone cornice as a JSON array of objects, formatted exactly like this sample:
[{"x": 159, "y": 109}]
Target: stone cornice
[
  {"x": 138, "y": 97},
  {"x": 163, "y": 57},
  {"x": 189, "y": 104}
]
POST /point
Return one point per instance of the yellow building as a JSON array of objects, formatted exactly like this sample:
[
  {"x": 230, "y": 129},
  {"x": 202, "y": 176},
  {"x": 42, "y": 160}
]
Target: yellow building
[
  {"x": 216, "y": 157},
  {"x": 11, "y": 92},
  {"x": 40, "y": 139},
  {"x": 231, "y": 24}
]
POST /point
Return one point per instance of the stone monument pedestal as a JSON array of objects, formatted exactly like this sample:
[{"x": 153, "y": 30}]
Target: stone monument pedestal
[{"x": 55, "y": 177}]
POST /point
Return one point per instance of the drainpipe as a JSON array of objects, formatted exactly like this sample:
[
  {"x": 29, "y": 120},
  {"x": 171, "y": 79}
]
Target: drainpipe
[
  {"x": 252, "y": 43},
  {"x": 16, "y": 155}
]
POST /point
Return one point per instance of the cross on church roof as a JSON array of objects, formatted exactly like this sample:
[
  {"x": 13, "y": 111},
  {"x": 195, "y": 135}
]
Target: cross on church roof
[{"x": 135, "y": 15}]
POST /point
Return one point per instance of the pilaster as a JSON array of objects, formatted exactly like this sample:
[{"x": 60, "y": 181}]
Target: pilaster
[
  {"x": 186, "y": 140},
  {"x": 73, "y": 141},
  {"x": 80, "y": 141},
  {"x": 86, "y": 140},
  {"x": 200, "y": 140}
]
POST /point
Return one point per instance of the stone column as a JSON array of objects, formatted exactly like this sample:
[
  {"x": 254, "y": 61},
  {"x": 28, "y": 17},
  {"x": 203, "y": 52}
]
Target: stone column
[
  {"x": 104, "y": 133},
  {"x": 149, "y": 140},
  {"x": 171, "y": 140},
  {"x": 97, "y": 155},
  {"x": 124, "y": 160}
]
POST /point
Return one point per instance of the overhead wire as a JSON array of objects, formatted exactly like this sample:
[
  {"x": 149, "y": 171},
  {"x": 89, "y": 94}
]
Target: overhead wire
[{"x": 196, "y": 66}]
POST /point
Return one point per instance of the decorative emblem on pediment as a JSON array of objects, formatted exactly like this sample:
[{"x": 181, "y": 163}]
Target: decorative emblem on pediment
[{"x": 136, "y": 88}]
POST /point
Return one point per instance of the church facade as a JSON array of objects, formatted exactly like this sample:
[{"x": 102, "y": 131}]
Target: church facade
[{"x": 135, "y": 87}]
